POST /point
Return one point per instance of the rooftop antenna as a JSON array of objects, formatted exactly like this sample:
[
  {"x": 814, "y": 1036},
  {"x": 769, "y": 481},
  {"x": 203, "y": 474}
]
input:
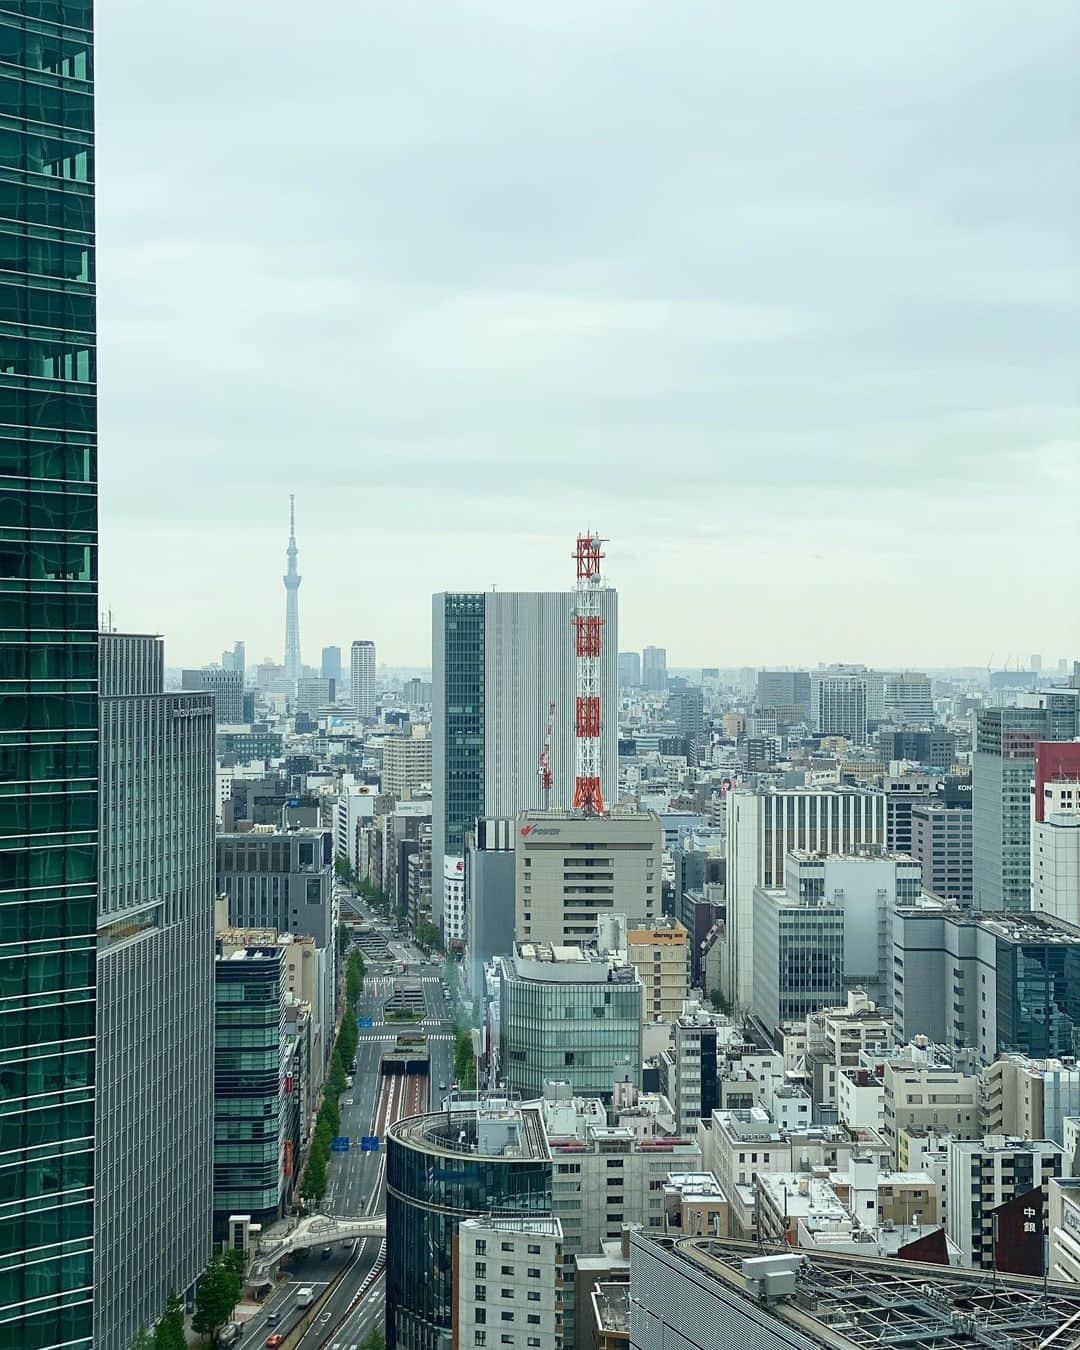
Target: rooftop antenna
[{"x": 588, "y": 794}]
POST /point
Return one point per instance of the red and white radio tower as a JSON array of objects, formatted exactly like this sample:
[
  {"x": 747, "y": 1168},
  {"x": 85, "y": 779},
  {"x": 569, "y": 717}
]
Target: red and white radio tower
[{"x": 588, "y": 794}]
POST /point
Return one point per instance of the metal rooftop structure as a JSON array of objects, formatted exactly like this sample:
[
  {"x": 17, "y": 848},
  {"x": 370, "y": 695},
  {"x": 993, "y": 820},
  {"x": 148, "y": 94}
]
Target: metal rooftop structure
[{"x": 858, "y": 1301}]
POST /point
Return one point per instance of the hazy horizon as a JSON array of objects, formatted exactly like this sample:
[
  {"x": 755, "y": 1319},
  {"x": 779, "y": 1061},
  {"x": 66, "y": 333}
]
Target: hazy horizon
[{"x": 783, "y": 299}]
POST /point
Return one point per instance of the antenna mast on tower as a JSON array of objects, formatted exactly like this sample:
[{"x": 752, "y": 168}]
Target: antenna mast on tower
[{"x": 588, "y": 794}]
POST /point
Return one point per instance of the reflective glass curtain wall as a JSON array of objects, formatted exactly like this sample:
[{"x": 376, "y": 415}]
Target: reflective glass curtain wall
[{"x": 48, "y": 673}]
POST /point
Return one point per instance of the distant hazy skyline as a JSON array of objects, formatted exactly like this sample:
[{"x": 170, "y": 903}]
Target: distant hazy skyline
[{"x": 783, "y": 298}]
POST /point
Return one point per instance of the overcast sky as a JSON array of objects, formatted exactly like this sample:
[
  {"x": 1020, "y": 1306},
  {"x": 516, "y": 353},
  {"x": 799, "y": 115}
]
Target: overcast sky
[{"x": 783, "y": 298}]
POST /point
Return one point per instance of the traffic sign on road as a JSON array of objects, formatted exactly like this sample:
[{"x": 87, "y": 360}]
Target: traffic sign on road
[
  {"x": 341, "y": 1143},
  {"x": 365, "y": 1021},
  {"x": 369, "y": 1143}
]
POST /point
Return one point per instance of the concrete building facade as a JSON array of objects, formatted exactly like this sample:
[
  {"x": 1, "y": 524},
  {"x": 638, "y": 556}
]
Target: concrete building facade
[{"x": 570, "y": 870}]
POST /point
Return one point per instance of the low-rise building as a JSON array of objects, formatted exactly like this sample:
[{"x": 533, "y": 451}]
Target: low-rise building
[
  {"x": 985, "y": 1173},
  {"x": 1030, "y": 1098},
  {"x": 926, "y": 1088},
  {"x": 860, "y": 1099},
  {"x": 836, "y": 1039}
]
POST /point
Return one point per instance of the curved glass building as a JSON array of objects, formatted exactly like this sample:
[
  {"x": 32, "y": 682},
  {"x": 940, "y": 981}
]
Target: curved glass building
[{"x": 440, "y": 1170}]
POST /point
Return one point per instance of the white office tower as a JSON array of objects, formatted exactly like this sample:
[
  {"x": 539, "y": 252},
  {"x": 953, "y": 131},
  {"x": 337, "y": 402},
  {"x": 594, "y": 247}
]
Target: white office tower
[
  {"x": 362, "y": 670},
  {"x": 1055, "y": 847},
  {"x": 500, "y": 659},
  {"x": 838, "y": 699},
  {"x": 908, "y": 700},
  {"x": 761, "y": 829}
]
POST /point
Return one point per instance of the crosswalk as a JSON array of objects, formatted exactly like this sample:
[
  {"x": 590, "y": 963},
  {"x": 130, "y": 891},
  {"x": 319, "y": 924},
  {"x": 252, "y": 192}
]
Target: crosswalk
[{"x": 383, "y": 1032}]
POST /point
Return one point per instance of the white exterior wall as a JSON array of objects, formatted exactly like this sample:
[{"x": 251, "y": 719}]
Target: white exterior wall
[
  {"x": 518, "y": 1264},
  {"x": 860, "y": 1106},
  {"x": 454, "y": 899},
  {"x": 1055, "y": 854},
  {"x": 529, "y": 662},
  {"x": 355, "y": 804},
  {"x": 362, "y": 678},
  {"x": 820, "y": 820}
]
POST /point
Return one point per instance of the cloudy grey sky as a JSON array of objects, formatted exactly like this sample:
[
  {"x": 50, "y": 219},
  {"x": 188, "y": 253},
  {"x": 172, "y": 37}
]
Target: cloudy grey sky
[{"x": 782, "y": 297}]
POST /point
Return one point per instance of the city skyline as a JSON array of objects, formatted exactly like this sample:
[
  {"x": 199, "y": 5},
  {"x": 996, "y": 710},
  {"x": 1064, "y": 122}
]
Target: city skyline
[{"x": 835, "y": 296}]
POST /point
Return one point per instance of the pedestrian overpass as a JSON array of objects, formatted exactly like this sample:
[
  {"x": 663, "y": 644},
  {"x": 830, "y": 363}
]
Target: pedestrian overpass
[{"x": 315, "y": 1230}]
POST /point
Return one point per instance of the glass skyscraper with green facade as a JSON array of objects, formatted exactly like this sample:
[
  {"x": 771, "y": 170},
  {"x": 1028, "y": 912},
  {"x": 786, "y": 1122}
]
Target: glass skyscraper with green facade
[{"x": 48, "y": 668}]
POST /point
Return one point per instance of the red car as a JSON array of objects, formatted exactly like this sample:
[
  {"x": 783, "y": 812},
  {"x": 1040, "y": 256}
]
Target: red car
[{"x": 275, "y": 1340}]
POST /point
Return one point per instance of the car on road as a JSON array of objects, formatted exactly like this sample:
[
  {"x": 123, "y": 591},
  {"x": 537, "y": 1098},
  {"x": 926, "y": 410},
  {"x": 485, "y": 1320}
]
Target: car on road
[
  {"x": 326, "y": 1253},
  {"x": 275, "y": 1340}
]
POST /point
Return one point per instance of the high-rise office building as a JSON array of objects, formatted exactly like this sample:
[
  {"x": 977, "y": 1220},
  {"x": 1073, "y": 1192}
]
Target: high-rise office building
[
  {"x": 313, "y": 694},
  {"x": 499, "y": 661},
  {"x": 234, "y": 659},
  {"x": 1002, "y": 770},
  {"x": 331, "y": 665},
  {"x": 787, "y": 691},
  {"x": 654, "y": 669},
  {"x": 999, "y": 982},
  {"x": 362, "y": 672},
  {"x": 283, "y": 879},
  {"x": 941, "y": 845},
  {"x": 250, "y": 1108},
  {"x": 908, "y": 698},
  {"x": 798, "y": 967},
  {"x": 629, "y": 670},
  {"x": 227, "y": 687},
  {"x": 686, "y": 707},
  {"x": 155, "y": 983},
  {"x": 838, "y": 703},
  {"x": 761, "y": 829},
  {"x": 48, "y": 740}
]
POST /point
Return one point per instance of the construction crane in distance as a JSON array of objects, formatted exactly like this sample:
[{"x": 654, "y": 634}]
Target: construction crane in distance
[{"x": 545, "y": 757}]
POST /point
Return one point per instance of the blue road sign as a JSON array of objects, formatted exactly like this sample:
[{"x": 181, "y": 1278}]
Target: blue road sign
[
  {"x": 341, "y": 1143},
  {"x": 365, "y": 1021},
  {"x": 369, "y": 1143}
]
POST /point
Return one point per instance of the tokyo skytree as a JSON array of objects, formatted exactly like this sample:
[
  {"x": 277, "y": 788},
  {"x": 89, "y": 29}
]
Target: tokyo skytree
[{"x": 292, "y": 602}]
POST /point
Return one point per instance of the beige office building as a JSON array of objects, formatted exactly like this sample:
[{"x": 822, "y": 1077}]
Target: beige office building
[
  {"x": 661, "y": 956},
  {"x": 572, "y": 870}
]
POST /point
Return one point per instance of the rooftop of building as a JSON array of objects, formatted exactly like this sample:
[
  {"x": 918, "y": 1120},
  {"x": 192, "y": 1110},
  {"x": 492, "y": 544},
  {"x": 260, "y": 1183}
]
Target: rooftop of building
[
  {"x": 251, "y": 953},
  {"x": 664, "y": 931},
  {"x": 462, "y": 1134},
  {"x": 262, "y": 937},
  {"x": 845, "y": 1301},
  {"x": 1003, "y": 1143},
  {"x": 799, "y": 1194},
  {"x": 699, "y": 1185},
  {"x": 868, "y": 853},
  {"x": 1012, "y": 926},
  {"x": 611, "y": 1305},
  {"x": 546, "y": 961}
]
